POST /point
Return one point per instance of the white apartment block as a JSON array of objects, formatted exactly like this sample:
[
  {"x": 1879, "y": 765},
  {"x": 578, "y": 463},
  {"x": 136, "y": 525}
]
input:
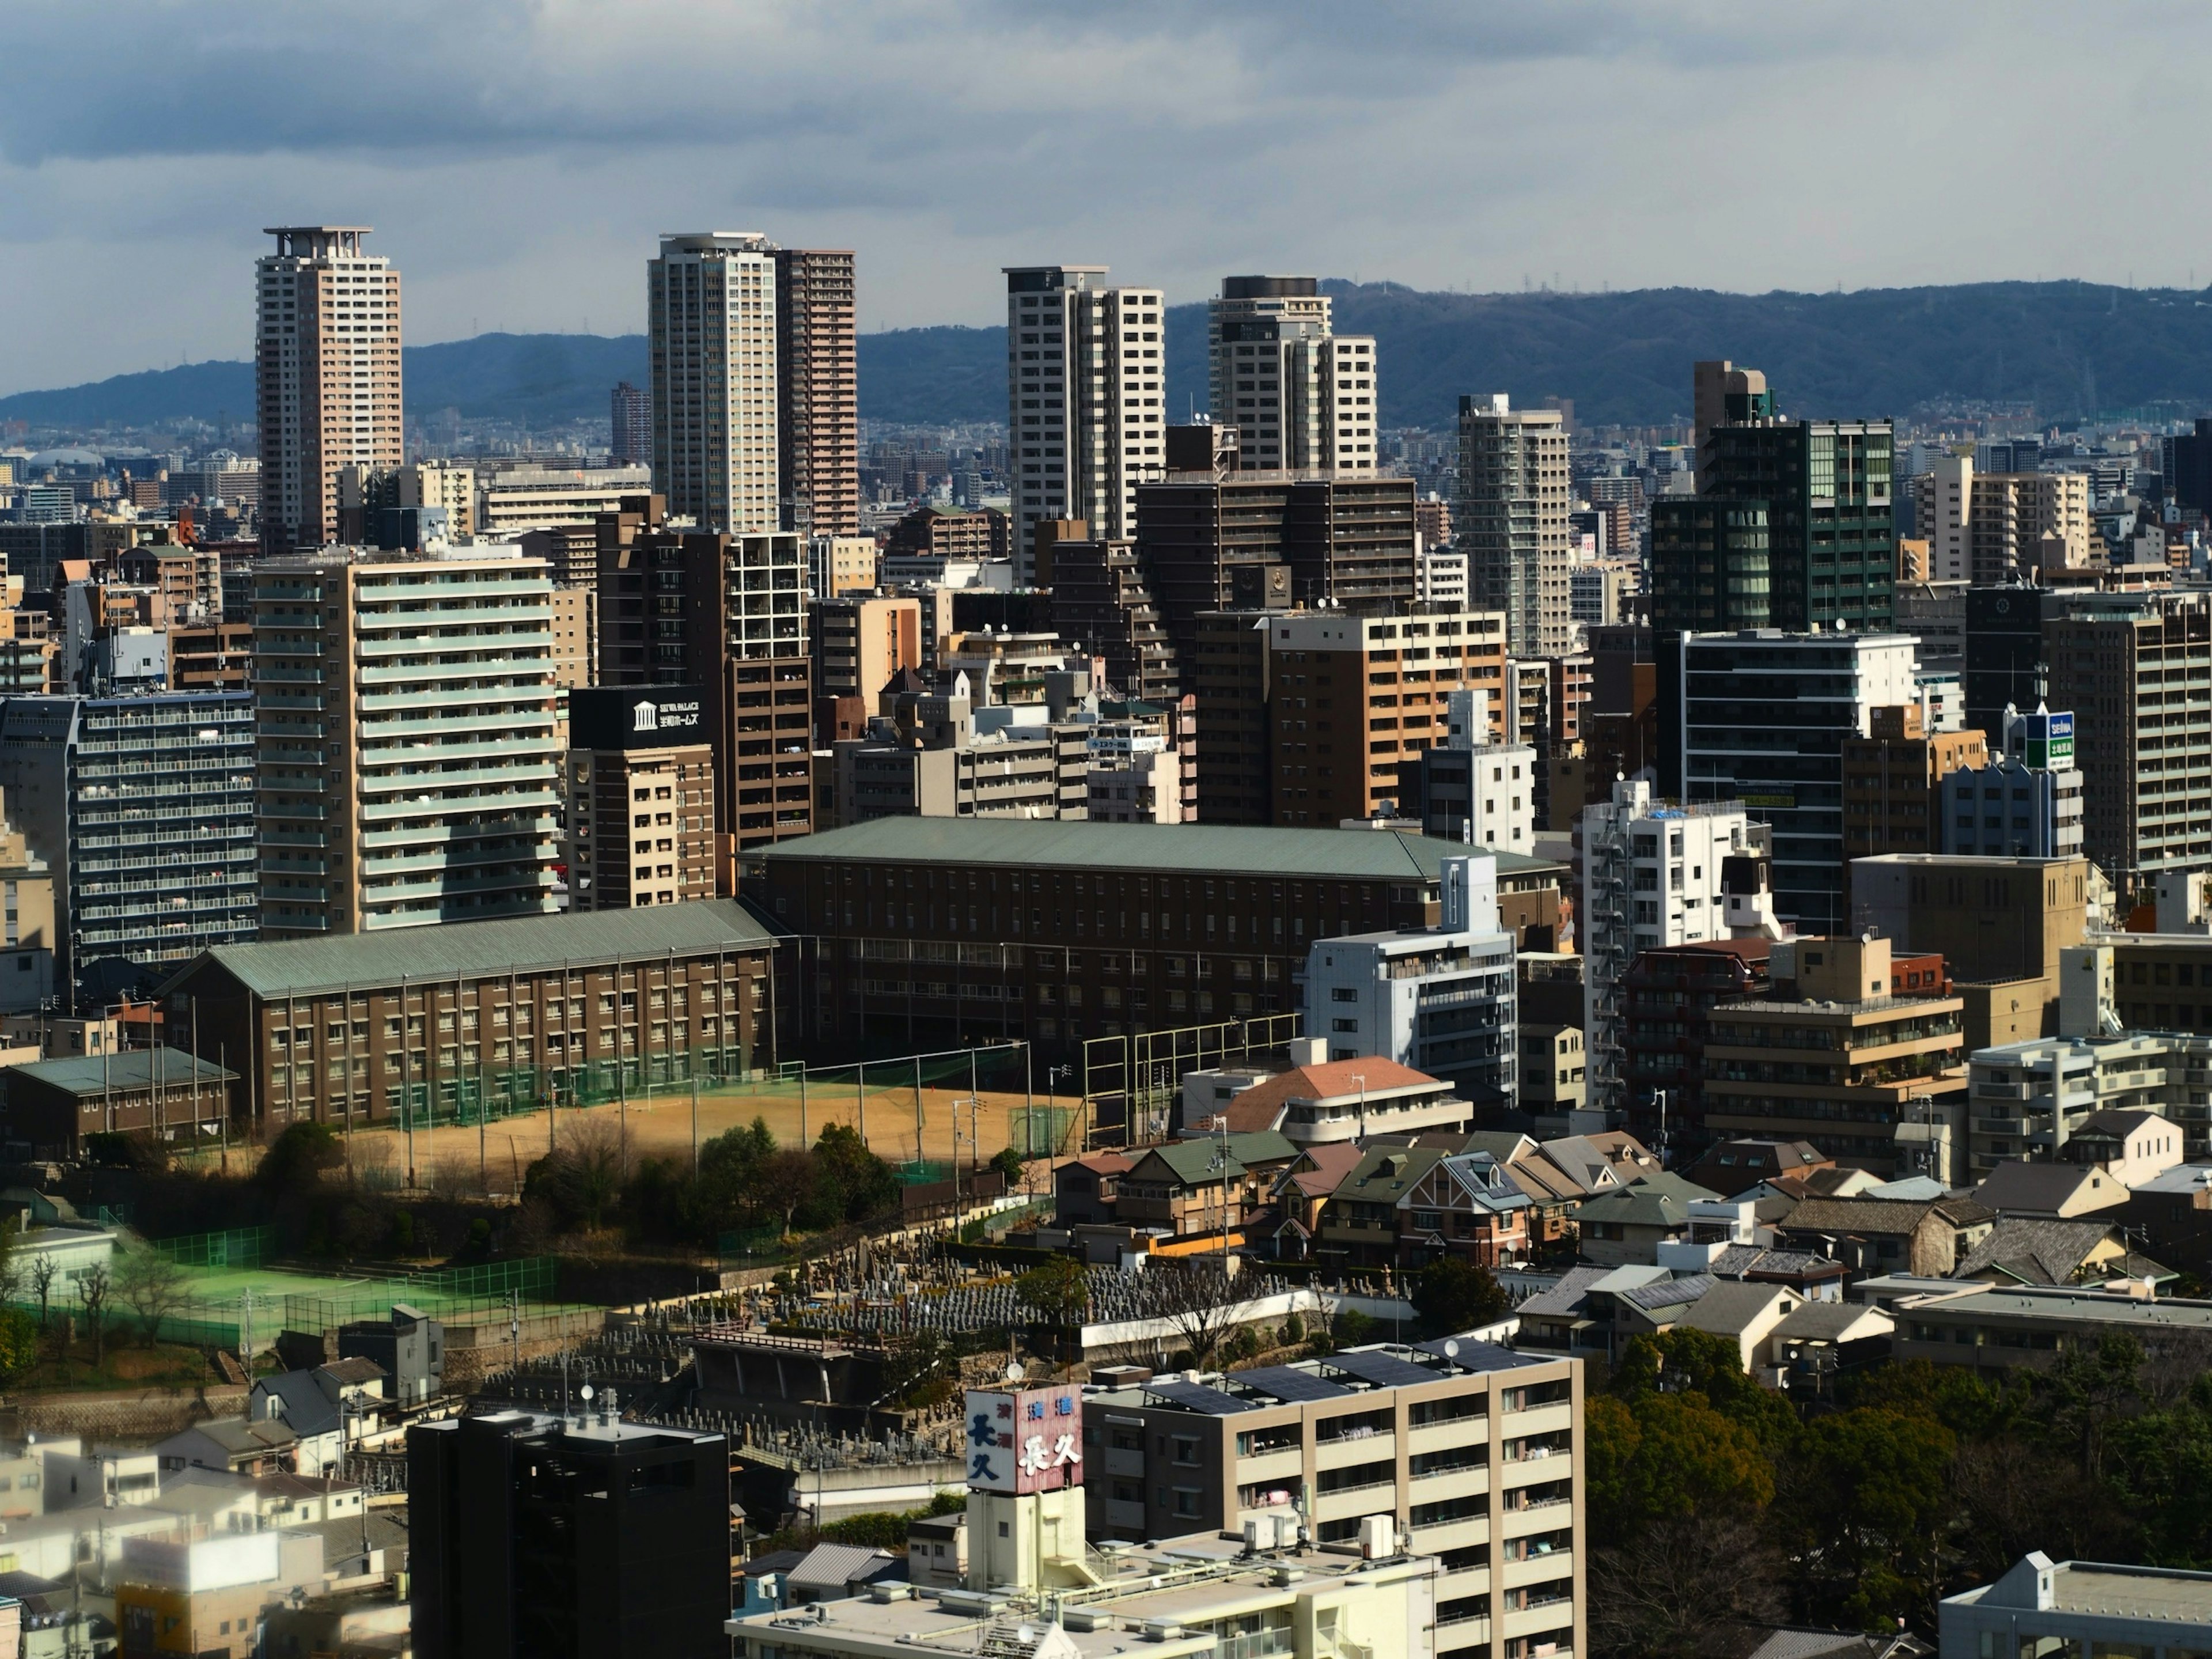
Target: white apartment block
[
  {"x": 1651, "y": 877},
  {"x": 327, "y": 344},
  {"x": 711, "y": 310},
  {"x": 1301, "y": 397},
  {"x": 1512, "y": 521},
  {"x": 1440, "y": 576},
  {"x": 544, "y": 497},
  {"x": 1086, "y": 400},
  {"x": 409, "y": 753},
  {"x": 1442, "y": 1000}
]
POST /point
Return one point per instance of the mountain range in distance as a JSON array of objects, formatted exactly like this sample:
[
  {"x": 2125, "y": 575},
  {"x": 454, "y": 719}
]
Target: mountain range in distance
[{"x": 2066, "y": 348}]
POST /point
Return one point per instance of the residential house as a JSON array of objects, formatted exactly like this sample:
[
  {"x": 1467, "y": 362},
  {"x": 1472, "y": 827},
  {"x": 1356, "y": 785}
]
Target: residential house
[
  {"x": 1188, "y": 1187},
  {"x": 1628, "y": 1226},
  {"x": 1650, "y": 1308},
  {"x": 1561, "y": 1320},
  {"x": 1082, "y": 1190},
  {"x": 2058, "y": 1191},
  {"x": 317, "y": 1404},
  {"x": 2129, "y": 1144},
  {"x": 2171, "y": 1214},
  {"x": 1302, "y": 1192},
  {"x": 2044, "y": 1250},
  {"x": 242, "y": 1445},
  {"x": 1341, "y": 1100},
  {"x": 1729, "y": 1167},
  {"x": 1467, "y": 1206},
  {"x": 1745, "y": 1313},
  {"x": 1817, "y": 1340},
  {"x": 1359, "y": 1227},
  {"x": 2001, "y": 1327},
  {"x": 1877, "y": 1236}
]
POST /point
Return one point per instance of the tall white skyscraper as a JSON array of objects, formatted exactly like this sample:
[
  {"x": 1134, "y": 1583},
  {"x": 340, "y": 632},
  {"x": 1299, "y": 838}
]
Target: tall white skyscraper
[
  {"x": 712, "y": 317},
  {"x": 1300, "y": 396},
  {"x": 1086, "y": 400},
  {"x": 326, "y": 375}
]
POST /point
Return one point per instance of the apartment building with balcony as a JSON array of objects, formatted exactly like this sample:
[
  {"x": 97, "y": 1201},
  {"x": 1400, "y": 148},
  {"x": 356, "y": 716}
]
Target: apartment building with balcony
[
  {"x": 1473, "y": 1452},
  {"x": 1861, "y": 1056},
  {"x": 1652, "y": 878},
  {"x": 407, "y": 740},
  {"x": 142, "y": 808}
]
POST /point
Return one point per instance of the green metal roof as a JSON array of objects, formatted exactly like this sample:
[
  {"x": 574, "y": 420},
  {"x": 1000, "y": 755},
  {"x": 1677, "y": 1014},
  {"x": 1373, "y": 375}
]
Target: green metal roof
[
  {"x": 466, "y": 949},
  {"x": 1211, "y": 848},
  {"x": 135, "y": 1068}
]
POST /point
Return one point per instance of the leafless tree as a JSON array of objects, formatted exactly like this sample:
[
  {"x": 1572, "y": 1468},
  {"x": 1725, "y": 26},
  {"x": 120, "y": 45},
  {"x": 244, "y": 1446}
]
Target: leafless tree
[
  {"x": 153, "y": 1287},
  {"x": 1198, "y": 1299},
  {"x": 43, "y": 1268},
  {"x": 1675, "y": 1591},
  {"x": 92, "y": 1289}
]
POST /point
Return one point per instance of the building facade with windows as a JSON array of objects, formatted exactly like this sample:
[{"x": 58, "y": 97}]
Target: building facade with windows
[
  {"x": 142, "y": 808},
  {"x": 1473, "y": 1456},
  {"x": 408, "y": 751}
]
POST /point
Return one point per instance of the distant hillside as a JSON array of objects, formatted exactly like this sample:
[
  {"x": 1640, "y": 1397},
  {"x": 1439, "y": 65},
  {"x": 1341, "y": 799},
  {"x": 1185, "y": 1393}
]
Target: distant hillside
[{"x": 2067, "y": 348}]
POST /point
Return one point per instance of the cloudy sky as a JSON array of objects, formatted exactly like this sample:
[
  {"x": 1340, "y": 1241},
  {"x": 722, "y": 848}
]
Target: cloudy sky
[{"x": 518, "y": 157}]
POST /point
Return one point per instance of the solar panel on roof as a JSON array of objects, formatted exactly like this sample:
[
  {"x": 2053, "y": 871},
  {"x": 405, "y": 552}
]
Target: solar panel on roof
[
  {"x": 1384, "y": 1371},
  {"x": 1479, "y": 1356},
  {"x": 1288, "y": 1382},
  {"x": 1199, "y": 1398}
]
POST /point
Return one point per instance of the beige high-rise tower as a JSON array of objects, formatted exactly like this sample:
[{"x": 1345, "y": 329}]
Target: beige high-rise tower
[
  {"x": 1086, "y": 400},
  {"x": 817, "y": 391},
  {"x": 326, "y": 376},
  {"x": 1300, "y": 396},
  {"x": 711, "y": 310},
  {"x": 1512, "y": 521},
  {"x": 408, "y": 762}
]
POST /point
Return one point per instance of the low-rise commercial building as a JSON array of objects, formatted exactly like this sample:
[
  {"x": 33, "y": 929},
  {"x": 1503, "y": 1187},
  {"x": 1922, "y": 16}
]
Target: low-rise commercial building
[
  {"x": 2046, "y": 1607},
  {"x": 51, "y": 1105}
]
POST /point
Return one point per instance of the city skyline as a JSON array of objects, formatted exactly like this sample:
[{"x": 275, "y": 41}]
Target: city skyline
[{"x": 1359, "y": 135}]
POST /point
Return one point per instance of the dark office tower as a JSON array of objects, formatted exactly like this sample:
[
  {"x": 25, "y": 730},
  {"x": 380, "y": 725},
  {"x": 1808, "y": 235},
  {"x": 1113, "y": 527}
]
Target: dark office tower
[
  {"x": 817, "y": 391},
  {"x": 2005, "y": 657},
  {"x": 631, "y": 418},
  {"x": 540, "y": 1538},
  {"x": 1832, "y": 547},
  {"x": 2186, "y": 462},
  {"x": 726, "y": 614},
  {"x": 1236, "y": 766},
  {"x": 1245, "y": 541},
  {"x": 1099, "y": 599},
  {"x": 1709, "y": 564}
]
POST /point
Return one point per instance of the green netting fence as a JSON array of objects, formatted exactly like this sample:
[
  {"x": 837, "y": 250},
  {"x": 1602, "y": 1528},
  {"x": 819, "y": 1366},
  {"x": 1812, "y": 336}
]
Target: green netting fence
[
  {"x": 241, "y": 1247},
  {"x": 487, "y": 1093}
]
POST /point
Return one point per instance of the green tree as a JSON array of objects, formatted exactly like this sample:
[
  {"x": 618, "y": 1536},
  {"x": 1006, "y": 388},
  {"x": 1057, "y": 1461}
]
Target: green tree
[
  {"x": 1451, "y": 1294},
  {"x": 853, "y": 1182},
  {"x": 19, "y": 1344},
  {"x": 1008, "y": 1163},
  {"x": 1668, "y": 1455},
  {"x": 1060, "y": 1290},
  {"x": 1864, "y": 1504},
  {"x": 2087, "y": 1391},
  {"x": 1685, "y": 1361},
  {"x": 299, "y": 1156}
]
